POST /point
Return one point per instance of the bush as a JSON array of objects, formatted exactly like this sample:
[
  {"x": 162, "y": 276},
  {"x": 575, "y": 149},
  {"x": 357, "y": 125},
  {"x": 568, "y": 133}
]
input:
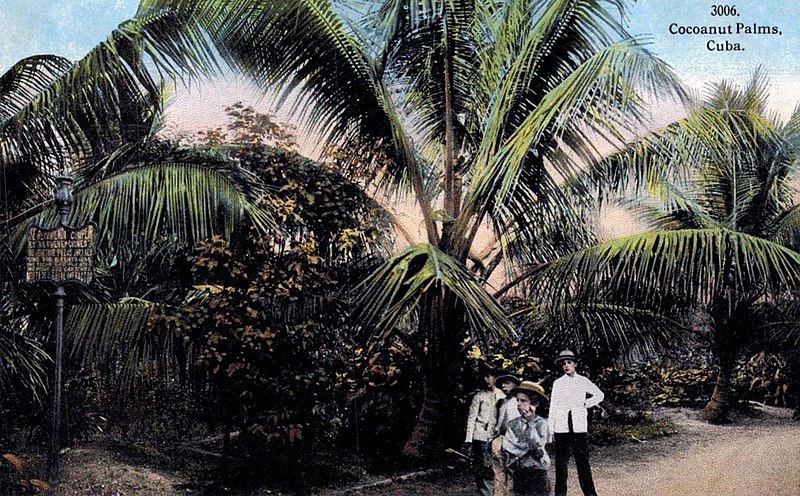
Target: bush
[
  {"x": 681, "y": 386},
  {"x": 767, "y": 378}
]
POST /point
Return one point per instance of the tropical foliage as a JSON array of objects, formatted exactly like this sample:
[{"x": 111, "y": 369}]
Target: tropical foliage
[
  {"x": 264, "y": 283},
  {"x": 481, "y": 107},
  {"x": 717, "y": 186}
]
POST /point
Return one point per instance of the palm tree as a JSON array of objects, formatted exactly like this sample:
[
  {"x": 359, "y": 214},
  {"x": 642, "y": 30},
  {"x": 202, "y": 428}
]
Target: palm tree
[
  {"x": 97, "y": 116},
  {"x": 483, "y": 106},
  {"x": 719, "y": 179}
]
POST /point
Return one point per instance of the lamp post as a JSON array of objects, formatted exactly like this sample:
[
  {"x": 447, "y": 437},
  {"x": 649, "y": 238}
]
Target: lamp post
[
  {"x": 59, "y": 255},
  {"x": 64, "y": 200}
]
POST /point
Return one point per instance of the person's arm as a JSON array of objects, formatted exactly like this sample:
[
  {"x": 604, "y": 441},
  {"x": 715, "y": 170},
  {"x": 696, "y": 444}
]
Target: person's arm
[
  {"x": 473, "y": 415},
  {"x": 555, "y": 405},
  {"x": 597, "y": 395},
  {"x": 543, "y": 431}
]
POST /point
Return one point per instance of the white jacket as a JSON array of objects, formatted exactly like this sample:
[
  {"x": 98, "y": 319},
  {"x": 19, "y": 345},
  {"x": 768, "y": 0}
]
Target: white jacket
[
  {"x": 572, "y": 394},
  {"x": 507, "y": 412},
  {"x": 483, "y": 415}
]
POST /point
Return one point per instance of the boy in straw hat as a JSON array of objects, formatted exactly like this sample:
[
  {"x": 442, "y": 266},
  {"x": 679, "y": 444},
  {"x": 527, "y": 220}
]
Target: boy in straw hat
[
  {"x": 524, "y": 443},
  {"x": 573, "y": 394}
]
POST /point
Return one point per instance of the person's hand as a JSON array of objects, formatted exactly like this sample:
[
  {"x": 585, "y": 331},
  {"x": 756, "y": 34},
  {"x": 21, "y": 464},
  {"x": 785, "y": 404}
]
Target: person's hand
[
  {"x": 550, "y": 438},
  {"x": 467, "y": 448}
]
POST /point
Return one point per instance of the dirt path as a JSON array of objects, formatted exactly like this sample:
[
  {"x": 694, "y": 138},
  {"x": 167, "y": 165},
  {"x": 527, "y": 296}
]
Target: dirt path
[
  {"x": 756, "y": 456},
  {"x": 755, "y": 464},
  {"x": 95, "y": 471}
]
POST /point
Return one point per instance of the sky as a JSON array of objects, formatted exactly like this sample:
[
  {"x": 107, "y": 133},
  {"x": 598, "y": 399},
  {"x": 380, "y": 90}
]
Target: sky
[
  {"x": 777, "y": 54},
  {"x": 72, "y": 27}
]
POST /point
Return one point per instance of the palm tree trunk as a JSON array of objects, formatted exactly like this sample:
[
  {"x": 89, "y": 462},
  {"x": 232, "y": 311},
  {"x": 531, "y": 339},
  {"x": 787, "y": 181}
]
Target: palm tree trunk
[
  {"x": 725, "y": 343},
  {"x": 426, "y": 437},
  {"x": 717, "y": 409},
  {"x": 441, "y": 322}
]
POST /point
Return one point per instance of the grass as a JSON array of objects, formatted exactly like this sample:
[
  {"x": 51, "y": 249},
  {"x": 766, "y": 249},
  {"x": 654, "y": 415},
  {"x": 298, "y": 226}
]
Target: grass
[{"x": 606, "y": 433}]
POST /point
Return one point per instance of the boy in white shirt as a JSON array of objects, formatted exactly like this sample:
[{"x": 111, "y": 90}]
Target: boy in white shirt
[{"x": 573, "y": 394}]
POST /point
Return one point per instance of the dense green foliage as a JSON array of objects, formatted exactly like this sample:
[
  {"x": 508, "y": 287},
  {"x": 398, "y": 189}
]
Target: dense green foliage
[
  {"x": 481, "y": 108},
  {"x": 727, "y": 168},
  {"x": 244, "y": 288}
]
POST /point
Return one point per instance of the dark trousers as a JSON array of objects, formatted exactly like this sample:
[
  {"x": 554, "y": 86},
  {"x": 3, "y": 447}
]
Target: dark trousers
[
  {"x": 531, "y": 482},
  {"x": 576, "y": 444},
  {"x": 481, "y": 467}
]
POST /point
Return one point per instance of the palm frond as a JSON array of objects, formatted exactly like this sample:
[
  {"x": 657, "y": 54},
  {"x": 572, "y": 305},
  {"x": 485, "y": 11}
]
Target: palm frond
[
  {"x": 400, "y": 284},
  {"x": 103, "y": 103},
  {"x": 22, "y": 367},
  {"x": 597, "y": 95},
  {"x": 669, "y": 270},
  {"x": 599, "y": 328},
  {"x": 117, "y": 336},
  {"x": 183, "y": 202}
]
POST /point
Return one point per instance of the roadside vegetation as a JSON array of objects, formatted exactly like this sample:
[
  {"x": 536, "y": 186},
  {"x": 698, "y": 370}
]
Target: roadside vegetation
[{"x": 255, "y": 308}]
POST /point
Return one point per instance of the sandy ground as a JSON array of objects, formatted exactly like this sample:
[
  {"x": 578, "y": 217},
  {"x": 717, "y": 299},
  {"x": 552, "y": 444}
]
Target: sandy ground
[
  {"x": 98, "y": 472},
  {"x": 754, "y": 456}
]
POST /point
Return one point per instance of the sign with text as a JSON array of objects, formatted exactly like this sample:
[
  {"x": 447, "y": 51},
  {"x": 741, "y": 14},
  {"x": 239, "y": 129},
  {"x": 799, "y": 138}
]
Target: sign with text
[{"x": 60, "y": 254}]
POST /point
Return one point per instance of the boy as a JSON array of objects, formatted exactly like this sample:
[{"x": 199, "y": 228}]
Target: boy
[
  {"x": 480, "y": 428},
  {"x": 524, "y": 443},
  {"x": 573, "y": 394}
]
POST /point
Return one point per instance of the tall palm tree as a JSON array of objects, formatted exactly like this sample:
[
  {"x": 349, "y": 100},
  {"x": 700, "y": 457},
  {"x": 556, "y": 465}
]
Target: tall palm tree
[
  {"x": 484, "y": 108},
  {"x": 719, "y": 179}
]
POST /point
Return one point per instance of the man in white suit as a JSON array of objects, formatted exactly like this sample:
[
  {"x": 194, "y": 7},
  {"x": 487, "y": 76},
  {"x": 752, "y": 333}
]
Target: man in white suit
[{"x": 573, "y": 394}]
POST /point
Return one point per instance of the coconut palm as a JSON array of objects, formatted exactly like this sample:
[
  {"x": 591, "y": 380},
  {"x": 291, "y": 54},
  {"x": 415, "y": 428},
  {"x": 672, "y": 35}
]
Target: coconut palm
[
  {"x": 718, "y": 181},
  {"x": 96, "y": 116},
  {"x": 484, "y": 107}
]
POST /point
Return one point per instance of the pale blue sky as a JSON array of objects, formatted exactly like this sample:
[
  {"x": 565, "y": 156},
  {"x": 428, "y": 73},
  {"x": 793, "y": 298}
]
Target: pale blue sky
[
  {"x": 71, "y": 27},
  {"x": 689, "y": 55}
]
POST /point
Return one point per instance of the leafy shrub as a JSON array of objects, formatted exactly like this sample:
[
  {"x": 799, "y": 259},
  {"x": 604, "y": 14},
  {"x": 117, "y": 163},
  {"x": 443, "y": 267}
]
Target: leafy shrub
[
  {"x": 626, "y": 393},
  {"x": 389, "y": 386},
  {"x": 768, "y": 378},
  {"x": 681, "y": 386}
]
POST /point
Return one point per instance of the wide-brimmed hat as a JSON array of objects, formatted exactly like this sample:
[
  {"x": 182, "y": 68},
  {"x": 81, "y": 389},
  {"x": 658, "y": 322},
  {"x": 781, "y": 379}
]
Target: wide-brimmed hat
[
  {"x": 506, "y": 378},
  {"x": 530, "y": 388},
  {"x": 566, "y": 355}
]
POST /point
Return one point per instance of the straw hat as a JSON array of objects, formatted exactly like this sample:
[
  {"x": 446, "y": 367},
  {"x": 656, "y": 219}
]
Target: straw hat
[{"x": 531, "y": 389}]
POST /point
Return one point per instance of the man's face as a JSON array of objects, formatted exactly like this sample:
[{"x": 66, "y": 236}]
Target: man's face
[
  {"x": 507, "y": 387},
  {"x": 568, "y": 366},
  {"x": 525, "y": 406},
  {"x": 489, "y": 378}
]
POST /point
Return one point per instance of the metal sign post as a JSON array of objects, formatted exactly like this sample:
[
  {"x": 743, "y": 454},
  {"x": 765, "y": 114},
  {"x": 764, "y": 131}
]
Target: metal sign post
[{"x": 59, "y": 255}]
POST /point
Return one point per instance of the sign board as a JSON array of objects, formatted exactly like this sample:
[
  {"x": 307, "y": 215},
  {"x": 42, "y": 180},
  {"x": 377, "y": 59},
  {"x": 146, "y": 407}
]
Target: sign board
[{"x": 60, "y": 254}]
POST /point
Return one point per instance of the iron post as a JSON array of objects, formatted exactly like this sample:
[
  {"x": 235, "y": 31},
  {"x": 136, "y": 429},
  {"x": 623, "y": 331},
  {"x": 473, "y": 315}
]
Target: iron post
[{"x": 63, "y": 199}]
